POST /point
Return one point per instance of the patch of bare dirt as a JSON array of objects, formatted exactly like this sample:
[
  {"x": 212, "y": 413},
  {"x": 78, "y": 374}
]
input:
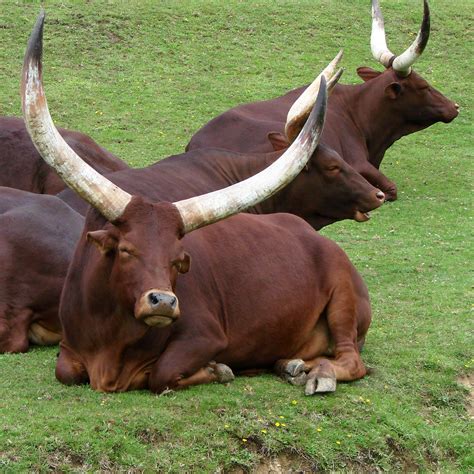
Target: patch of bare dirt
[
  {"x": 468, "y": 382},
  {"x": 283, "y": 463}
]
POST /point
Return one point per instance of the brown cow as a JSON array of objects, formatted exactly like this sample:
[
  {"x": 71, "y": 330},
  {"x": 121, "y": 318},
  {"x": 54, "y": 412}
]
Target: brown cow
[
  {"x": 363, "y": 120},
  {"x": 23, "y": 168},
  {"x": 327, "y": 190},
  {"x": 262, "y": 290},
  {"x": 37, "y": 239}
]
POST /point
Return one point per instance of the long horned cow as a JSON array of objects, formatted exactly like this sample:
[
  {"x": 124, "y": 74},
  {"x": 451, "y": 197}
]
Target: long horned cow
[
  {"x": 363, "y": 120},
  {"x": 263, "y": 291}
]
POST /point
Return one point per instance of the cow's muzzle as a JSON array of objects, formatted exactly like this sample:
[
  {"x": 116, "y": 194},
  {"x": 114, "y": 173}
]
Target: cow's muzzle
[{"x": 157, "y": 308}]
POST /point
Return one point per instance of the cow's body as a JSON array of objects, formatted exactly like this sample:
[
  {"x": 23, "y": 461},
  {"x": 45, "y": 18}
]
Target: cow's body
[
  {"x": 37, "y": 239},
  {"x": 362, "y": 122},
  {"x": 317, "y": 195},
  {"x": 260, "y": 289},
  {"x": 23, "y": 168}
]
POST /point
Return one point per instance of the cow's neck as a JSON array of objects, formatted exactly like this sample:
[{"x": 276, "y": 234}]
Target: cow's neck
[
  {"x": 244, "y": 166},
  {"x": 365, "y": 108}
]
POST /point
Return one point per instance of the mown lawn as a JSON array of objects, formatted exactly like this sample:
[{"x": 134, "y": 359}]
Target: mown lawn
[{"x": 140, "y": 78}]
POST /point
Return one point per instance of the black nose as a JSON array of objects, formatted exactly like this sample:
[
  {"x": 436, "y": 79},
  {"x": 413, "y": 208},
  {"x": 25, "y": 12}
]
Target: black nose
[{"x": 162, "y": 298}]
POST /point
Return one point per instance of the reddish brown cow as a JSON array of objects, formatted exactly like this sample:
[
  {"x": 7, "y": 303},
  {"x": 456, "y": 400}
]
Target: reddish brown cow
[
  {"x": 23, "y": 168},
  {"x": 262, "y": 289},
  {"x": 37, "y": 239},
  {"x": 363, "y": 120}
]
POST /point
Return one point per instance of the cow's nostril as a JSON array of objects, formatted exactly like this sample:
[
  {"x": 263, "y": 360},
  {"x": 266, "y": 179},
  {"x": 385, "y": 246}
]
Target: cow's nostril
[
  {"x": 173, "y": 301},
  {"x": 456, "y": 105},
  {"x": 154, "y": 300},
  {"x": 380, "y": 195}
]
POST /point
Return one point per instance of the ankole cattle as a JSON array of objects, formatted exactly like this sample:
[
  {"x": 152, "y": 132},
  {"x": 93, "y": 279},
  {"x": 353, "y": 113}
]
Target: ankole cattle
[
  {"x": 327, "y": 189},
  {"x": 38, "y": 235},
  {"x": 363, "y": 120},
  {"x": 260, "y": 290},
  {"x": 23, "y": 168}
]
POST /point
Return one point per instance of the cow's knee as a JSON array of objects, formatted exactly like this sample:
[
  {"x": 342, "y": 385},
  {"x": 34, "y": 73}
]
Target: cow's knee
[{"x": 69, "y": 370}]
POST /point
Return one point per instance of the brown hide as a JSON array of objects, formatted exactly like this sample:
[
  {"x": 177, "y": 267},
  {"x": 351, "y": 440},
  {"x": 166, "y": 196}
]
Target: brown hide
[
  {"x": 23, "y": 168},
  {"x": 362, "y": 122},
  {"x": 259, "y": 289},
  {"x": 37, "y": 239},
  {"x": 326, "y": 191}
]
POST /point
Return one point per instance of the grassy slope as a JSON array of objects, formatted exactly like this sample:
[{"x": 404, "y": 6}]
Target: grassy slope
[{"x": 140, "y": 79}]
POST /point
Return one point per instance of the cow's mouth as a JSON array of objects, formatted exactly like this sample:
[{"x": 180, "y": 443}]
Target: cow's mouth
[
  {"x": 159, "y": 320},
  {"x": 360, "y": 216}
]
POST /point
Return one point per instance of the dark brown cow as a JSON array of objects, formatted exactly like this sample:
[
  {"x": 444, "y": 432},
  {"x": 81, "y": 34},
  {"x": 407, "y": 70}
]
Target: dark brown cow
[
  {"x": 363, "y": 120},
  {"x": 23, "y": 168},
  {"x": 327, "y": 190},
  {"x": 262, "y": 289},
  {"x": 38, "y": 235}
]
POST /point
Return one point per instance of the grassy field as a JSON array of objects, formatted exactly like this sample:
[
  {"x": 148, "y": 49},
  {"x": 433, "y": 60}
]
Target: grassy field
[{"x": 140, "y": 78}]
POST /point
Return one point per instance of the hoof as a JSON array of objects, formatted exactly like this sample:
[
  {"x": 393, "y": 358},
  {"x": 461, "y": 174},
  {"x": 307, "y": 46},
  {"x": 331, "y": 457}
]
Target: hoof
[
  {"x": 294, "y": 367},
  {"x": 224, "y": 373},
  {"x": 299, "y": 379},
  {"x": 320, "y": 385}
]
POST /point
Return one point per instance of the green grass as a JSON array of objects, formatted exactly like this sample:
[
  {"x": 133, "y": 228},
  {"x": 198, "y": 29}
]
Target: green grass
[{"x": 140, "y": 78}]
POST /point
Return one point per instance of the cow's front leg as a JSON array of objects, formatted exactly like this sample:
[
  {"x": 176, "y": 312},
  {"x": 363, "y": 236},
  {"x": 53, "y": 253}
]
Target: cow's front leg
[
  {"x": 379, "y": 180},
  {"x": 188, "y": 362}
]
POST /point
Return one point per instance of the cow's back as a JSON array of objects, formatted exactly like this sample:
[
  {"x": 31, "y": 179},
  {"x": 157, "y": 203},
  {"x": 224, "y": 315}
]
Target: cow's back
[
  {"x": 245, "y": 128},
  {"x": 23, "y": 168}
]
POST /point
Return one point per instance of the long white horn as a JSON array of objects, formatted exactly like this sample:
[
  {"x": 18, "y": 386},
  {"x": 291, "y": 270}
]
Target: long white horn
[
  {"x": 402, "y": 64},
  {"x": 208, "y": 208},
  {"x": 378, "y": 43},
  {"x": 101, "y": 193},
  {"x": 302, "y": 107}
]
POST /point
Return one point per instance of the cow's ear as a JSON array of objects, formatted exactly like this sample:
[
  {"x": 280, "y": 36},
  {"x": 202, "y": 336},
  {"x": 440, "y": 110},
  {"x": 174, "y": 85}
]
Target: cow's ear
[
  {"x": 367, "y": 73},
  {"x": 103, "y": 240},
  {"x": 393, "y": 90},
  {"x": 278, "y": 141},
  {"x": 185, "y": 264}
]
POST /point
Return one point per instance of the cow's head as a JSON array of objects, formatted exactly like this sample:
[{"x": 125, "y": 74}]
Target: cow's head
[
  {"x": 143, "y": 255},
  {"x": 140, "y": 246},
  {"x": 410, "y": 96},
  {"x": 329, "y": 187}
]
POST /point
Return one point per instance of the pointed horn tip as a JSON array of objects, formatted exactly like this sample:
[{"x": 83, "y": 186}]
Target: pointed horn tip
[
  {"x": 34, "y": 49},
  {"x": 319, "y": 110}
]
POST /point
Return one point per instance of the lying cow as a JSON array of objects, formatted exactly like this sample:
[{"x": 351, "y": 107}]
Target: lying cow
[
  {"x": 38, "y": 235},
  {"x": 263, "y": 290},
  {"x": 327, "y": 190},
  {"x": 23, "y": 168},
  {"x": 363, "y": 120}
]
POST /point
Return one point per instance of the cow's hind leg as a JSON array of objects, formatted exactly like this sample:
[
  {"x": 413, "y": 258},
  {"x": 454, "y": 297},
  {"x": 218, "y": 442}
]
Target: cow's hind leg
[
  {"x": 348, "y": 317},
  {"x": 14, "y": 324}
]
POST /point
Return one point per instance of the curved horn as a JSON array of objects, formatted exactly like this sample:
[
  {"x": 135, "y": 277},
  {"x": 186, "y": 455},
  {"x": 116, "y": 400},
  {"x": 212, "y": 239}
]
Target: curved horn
[
  {"x": 98, "y": 191},
  {"x": 378, "y": 43},
  {"x": 402, "y": 64},
  {"x": 301, "y": 108},
  {"x": 208, "y": 208}
]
